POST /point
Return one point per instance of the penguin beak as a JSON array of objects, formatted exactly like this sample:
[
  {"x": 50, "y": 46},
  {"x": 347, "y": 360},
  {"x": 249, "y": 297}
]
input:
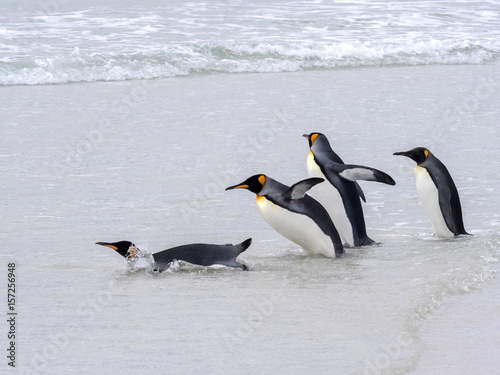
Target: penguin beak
[
  {"x": 107, "y": 245},
  {"x": 306, "y": 136},
  {"x": 403, "y": 153},
  {"x": 238, "y": 186}
]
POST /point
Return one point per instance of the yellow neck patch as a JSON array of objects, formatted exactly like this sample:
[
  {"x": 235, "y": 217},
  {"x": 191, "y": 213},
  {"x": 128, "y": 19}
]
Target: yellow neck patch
[
  {"x": 426, "y": 153},
  {"x": 313, "y": 138},
  {"x": 262, "y": 179}
]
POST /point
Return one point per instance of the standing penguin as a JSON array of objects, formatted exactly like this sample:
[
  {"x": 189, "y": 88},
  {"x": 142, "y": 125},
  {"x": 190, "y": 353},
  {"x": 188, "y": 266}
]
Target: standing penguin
[
  {"x": 438, "y": 193},
  {"x": 294, "y": 214},
  {"x": 341, "y": 194}
]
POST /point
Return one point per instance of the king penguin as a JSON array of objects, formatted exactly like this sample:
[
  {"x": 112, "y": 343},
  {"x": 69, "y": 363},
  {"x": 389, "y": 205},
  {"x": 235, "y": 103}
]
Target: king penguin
[
  {"x": 341, "y": 194},
  {"x": 199, "y": 253},
  {"x": 438, "y": 193},
  {"x": 295, "y": 215}
]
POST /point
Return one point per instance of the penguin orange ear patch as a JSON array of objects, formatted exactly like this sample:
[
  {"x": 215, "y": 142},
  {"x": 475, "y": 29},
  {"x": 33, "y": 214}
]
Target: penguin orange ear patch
[
  {"x": 262, "y": 180},
  {"x": 131, "y": 251},
  {"x": 426, "y": 153},
  {"x": 313, "y": 137}
]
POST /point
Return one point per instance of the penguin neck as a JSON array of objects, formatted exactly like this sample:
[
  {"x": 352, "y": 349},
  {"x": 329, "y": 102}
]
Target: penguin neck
[
  {"x": 420, "y": 171},
  {"x": 262, "y": 205},
  {"x": 312, "y": 167},
  {"x": 310, "y": 160},
  {"x": 310, "y": 157}
]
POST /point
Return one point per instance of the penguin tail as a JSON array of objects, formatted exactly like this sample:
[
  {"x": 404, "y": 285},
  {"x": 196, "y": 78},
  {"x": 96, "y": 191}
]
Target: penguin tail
[{"x": 244, "y": 245}]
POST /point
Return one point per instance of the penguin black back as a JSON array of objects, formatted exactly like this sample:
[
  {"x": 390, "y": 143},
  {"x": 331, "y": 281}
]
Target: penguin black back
[{"x": 202, "y": 254}]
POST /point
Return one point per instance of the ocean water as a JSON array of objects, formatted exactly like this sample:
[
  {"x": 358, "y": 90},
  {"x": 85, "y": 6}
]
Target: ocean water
[
  {"x": 62, "y": 41},
  {"x": 127, "y": 122}
]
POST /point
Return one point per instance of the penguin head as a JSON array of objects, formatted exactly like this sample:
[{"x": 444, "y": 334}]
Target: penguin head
[
  {"x": 318, "y": 141},
  {"x": 418, "y": 154},
  {"x": 254, "y": 184},
  {"x": 125, "y": 248},
  {"x": 312, "y": 137}
]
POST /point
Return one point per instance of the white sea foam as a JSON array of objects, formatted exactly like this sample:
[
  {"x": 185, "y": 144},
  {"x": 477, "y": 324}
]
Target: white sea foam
[{"x": 152, "y": 42}]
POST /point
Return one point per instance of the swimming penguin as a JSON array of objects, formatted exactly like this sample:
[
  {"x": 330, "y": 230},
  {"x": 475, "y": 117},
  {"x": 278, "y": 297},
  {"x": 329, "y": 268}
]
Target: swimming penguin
[
  {"x": 198, "y": 253},
  {"x": 294, "y": 214},
  {"x": 437, "y": 192},
  {"x": 340, "y": 195}
]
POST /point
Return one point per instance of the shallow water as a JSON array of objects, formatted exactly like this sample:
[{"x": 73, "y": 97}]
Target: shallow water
[{"x": 148, "y": 161}]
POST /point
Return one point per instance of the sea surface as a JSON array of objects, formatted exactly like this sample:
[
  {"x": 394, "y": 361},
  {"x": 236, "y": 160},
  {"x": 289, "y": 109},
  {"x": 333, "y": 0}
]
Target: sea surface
[
  {"x": 61, "y": 41},
  {"x": 122, "y": 121}
]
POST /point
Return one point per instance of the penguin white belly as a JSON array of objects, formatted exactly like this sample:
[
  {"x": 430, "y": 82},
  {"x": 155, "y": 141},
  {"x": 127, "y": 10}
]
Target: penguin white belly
[
  {"x": 329, "y": 197},
  {"x": 429, "y": 197},
  {"x": 298, "y": 228}
]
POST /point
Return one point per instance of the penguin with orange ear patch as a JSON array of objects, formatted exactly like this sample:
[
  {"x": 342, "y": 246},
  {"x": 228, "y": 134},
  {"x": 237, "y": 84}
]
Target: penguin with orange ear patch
[
  {"x": 294, "y": 214},
  {"x": 437, "y": 192},
  {"x": 199, "y": 253},
  {"x": 341, "y": 194}
]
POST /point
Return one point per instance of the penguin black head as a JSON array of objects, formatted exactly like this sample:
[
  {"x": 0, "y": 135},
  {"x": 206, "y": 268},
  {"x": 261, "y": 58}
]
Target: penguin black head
[
  {"x": 418, "y": 154},
  {"x": 125, "y": 248},
  {"x": 319, "y": 140},
  {"x": 312, "y": 137},
  {"x": 254, "y": 184}
]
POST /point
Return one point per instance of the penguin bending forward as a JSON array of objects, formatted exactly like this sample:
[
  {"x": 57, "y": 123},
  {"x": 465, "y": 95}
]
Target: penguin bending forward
[
  {"x": 438, "y": 193},
  {"x": 341, "y": 194},
  {"x": 294, "y": 214},
  {"x": 198, "y": 253}
]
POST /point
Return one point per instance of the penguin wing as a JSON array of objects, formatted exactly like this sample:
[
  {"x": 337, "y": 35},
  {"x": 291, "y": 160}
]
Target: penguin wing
[
  {"x": 358, "y": 172},
  {"x": 360, "y": 192},
  {"x": 449, "y": 201},
  {"x": 299, "y": 189},
  {"x": 446, "y": 208}
]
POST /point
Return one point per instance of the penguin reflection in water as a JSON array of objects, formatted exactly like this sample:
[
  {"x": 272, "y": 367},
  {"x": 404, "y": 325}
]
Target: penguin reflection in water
[
  {"x": 340, "y": 194},
  {"x": 199, "y": 254},
  {"x": 294, "y": 214},
  {"x": 438, "y": 193}
]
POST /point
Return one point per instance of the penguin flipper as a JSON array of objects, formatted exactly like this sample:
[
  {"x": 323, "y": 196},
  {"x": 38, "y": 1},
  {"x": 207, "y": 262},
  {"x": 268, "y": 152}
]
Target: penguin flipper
[
  {"x": 358, "y": 172},
  {"x": 447, "y": 210},
  {"x": 160, "y": 267},
  {"x": 299, "y": 189},
  {"x": 360, "y": 192}
]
